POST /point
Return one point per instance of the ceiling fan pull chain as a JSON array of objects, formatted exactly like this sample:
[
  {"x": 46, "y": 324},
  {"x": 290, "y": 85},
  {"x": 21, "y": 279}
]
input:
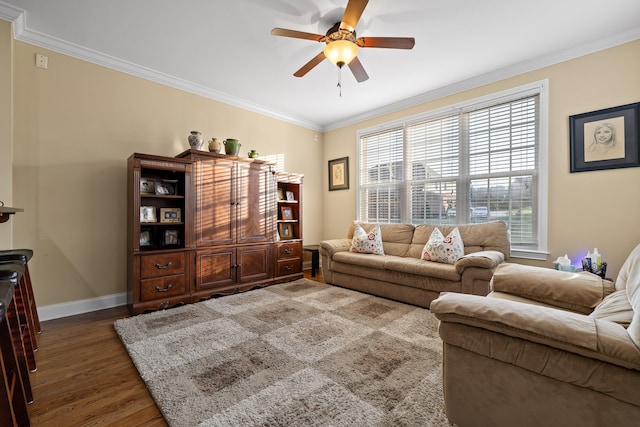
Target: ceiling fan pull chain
[{"x": 340, "y": 80}]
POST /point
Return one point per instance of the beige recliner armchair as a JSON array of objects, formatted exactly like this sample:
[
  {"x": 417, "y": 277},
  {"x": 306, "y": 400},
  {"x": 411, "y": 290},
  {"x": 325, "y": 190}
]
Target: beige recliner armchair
[{"x": 544, "y": 348}]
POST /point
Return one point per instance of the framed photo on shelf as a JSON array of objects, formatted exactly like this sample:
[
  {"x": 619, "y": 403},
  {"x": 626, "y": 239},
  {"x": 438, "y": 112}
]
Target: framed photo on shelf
[
  {"x": 339, "y": 174},
  {"x": 170, "y": 215},
  {"x": 148, "y": 214},
  {"x": 147, "y": 186},
  {"x": 290, "y": 196},
  {"x": 280, "y": 194},
  {"x": 166, "y": 187},
  {"x": 605, "y": 139},
  {"x": 286, "y": 231},
  {"x": 287, "y": 212},
  {"x": 171, "y": 237},
  {"x": 146, "y": 238}
]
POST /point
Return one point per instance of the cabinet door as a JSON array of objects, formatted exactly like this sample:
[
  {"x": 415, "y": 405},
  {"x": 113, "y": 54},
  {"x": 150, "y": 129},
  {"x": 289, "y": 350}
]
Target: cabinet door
[
  {"x": 215, "y": 206},
  {"x": 254, "y": 198},
  {"x": 215, "y": 268},
  {"x": 253, "y": 263}
]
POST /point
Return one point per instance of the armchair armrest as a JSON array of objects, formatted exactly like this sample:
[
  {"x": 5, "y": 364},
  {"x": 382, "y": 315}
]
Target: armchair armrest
[
  {"x": 580, "y": 292},
  {"x": 559, "y": 329},
  {"x": 330, "y": 247},
  {"x": 481, "y": 259}
]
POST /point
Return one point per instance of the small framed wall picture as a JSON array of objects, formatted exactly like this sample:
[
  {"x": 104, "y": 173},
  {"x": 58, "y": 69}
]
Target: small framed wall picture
[
  {"x": 147, "y": 186},
  {"x": 287, "y": 212},
  {"x": 148, "y": 214},
  {"x": 339, "y": 174},
  {"x": 290, "y": 196},
  {"x": 171, "y": 238},
  {"x": 170, "y": 215},
  {"x": 605, "y": 139},
  {"x": 146, "y": 239},
  {"x": 286, "y": 231}
]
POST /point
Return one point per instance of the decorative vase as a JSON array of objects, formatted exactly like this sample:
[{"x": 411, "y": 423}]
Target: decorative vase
[
  {"x": 214, "y": 145},
  {"x": 195, "y": 140},
  {"x": 231, "y": 146},
  {"x": 253, "y": 154}
]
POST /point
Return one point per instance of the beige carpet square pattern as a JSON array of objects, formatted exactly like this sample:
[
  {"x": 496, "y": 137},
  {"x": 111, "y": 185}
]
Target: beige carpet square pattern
[{"x": 295, "y": 354}]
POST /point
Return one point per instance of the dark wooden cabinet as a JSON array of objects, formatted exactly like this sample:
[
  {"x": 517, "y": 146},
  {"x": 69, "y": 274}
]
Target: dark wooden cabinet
[
  {"x": 234, "y": 222},
  {"x": 288, "y": 250},
  {"x": 204, "y": 224}
]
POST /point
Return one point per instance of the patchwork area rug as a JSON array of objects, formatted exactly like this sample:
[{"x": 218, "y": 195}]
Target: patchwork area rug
[{"x": 295, "y": 354}]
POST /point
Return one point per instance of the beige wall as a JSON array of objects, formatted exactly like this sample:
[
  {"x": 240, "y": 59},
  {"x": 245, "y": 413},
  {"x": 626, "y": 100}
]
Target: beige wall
[
  {"x": 6, "y": 142},
  {"x": 75, "y": 124},
  {"x": 586, "y": 210}
]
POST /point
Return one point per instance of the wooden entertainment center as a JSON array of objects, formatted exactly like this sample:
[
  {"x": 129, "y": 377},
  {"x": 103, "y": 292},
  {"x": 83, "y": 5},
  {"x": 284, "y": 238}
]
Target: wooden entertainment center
[{"x": 202, "y": 224}]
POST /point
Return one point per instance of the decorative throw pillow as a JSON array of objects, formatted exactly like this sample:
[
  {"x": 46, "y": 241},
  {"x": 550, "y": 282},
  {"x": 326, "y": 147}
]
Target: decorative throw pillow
[
  {"x": 443, "y": 249},
  {"x": 367, "y": 243}
]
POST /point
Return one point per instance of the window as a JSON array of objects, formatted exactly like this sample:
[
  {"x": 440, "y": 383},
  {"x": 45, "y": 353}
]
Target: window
[{"x": 481, "y": 161}]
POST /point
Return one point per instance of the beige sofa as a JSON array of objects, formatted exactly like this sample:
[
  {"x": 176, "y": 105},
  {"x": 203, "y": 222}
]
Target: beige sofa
[
  {"x": 545, "y": 348},
  {"x": 401, "y": 274}
]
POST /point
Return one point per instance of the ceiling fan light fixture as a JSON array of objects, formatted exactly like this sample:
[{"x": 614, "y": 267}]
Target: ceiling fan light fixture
[{"x": 341, "y": 52}]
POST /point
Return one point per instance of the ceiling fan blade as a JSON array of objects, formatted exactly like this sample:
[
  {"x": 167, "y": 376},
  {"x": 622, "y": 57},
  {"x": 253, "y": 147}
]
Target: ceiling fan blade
[
  {"x": 296, "y": 34},
  {"x": 387, "y": 42},
  {"x": 358, "y": 70},
  {"x": 309, "y": 65},
  {"x": 352, "y": 14}
]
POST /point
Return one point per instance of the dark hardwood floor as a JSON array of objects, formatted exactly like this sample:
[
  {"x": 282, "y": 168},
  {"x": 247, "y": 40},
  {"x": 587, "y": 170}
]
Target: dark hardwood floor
[{"x": 86, "y": 378}]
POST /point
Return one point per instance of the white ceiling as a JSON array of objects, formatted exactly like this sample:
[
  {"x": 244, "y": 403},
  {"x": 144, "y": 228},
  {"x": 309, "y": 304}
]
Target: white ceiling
[{"x": 224, "y": 49}]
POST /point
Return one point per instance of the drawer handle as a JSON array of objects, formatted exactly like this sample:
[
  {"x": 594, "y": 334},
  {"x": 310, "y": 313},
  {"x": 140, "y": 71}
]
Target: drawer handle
[
  {"x": 288, "y": 267},
  {"x": 159, "y": 289},
  {"x": 288, "y": 251},
  {"x": 162, "y": 267}
]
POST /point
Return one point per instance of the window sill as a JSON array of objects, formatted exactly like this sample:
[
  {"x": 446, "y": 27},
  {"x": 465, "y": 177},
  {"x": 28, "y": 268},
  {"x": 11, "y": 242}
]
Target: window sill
[{"x": 529, "y": 254}]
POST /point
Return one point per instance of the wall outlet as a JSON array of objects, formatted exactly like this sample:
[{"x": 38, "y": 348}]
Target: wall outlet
[{"x": 42, "y": 61}]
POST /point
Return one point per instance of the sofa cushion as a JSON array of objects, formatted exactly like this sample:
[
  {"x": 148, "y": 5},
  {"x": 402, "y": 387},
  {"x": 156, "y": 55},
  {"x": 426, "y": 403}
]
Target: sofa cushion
[
  {"x": 489, "y": 236},
  {"x": 395, "y": 237},
  {"x": 367, "y": 242},
  {"x": 443, "y": 249},
  {"x": 629, "y": 280},
  {"x": 614, "y": 307}
]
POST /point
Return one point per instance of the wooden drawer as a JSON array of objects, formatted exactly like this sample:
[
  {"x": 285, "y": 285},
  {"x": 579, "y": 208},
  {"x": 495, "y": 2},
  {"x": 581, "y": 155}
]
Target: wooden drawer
[
  {"x": 162, "y": 265},
  {"x": 289, "y": 250},
  {"x": 289, "y": 266},
  {"x": 162, "y": 287}
]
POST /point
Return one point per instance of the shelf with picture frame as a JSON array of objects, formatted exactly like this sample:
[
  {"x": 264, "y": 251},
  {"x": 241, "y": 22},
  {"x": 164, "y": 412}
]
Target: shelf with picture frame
[{"x": 288, "y": 248}]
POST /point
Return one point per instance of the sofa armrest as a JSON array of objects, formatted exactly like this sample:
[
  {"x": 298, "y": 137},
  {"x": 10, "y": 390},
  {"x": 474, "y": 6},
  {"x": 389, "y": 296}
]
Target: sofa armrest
[
  {"x": 330, "y": 247},
  {"x": 580, "y": 292},
  {"x": 481, "y": 259},
  {"x": 563, "y": 330}
]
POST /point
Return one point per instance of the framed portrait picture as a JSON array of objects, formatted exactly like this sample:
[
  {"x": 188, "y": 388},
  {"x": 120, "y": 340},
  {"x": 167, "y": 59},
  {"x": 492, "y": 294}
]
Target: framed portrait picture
[
  {"x": 287, "y": 212},
  {"x": 166, "y": 187},
  {"x": 171, "y": 238},
  {"x": 148, "y": 214},
  {"x": 605, "y": 139},
  {"x": 170, "y": 215},
  {"x": 286, "y": 231},
  {"x": 280, "y": 194},
  {"x": 339, "y": 174},
  {"x": 147, "y": 186},
  {"x": 146, "y": 238},
  {"x": 290, "y": 196}
]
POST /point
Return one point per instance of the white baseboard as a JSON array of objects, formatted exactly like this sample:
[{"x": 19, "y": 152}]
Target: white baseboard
[{"x": 56, "y": 311}]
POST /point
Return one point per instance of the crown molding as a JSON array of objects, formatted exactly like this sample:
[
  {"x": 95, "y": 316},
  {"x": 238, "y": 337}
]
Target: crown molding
[
  {"x": 23, "y": 33},
  {"x": 492, "y": 77}
]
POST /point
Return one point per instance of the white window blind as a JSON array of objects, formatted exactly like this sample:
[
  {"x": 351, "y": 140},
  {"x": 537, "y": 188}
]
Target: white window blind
[{"x": 477, "y": 163}]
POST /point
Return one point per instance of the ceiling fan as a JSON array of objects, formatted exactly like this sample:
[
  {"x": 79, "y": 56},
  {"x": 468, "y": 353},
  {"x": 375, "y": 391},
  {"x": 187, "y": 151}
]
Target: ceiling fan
[{"x": 342, "y": 43}]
